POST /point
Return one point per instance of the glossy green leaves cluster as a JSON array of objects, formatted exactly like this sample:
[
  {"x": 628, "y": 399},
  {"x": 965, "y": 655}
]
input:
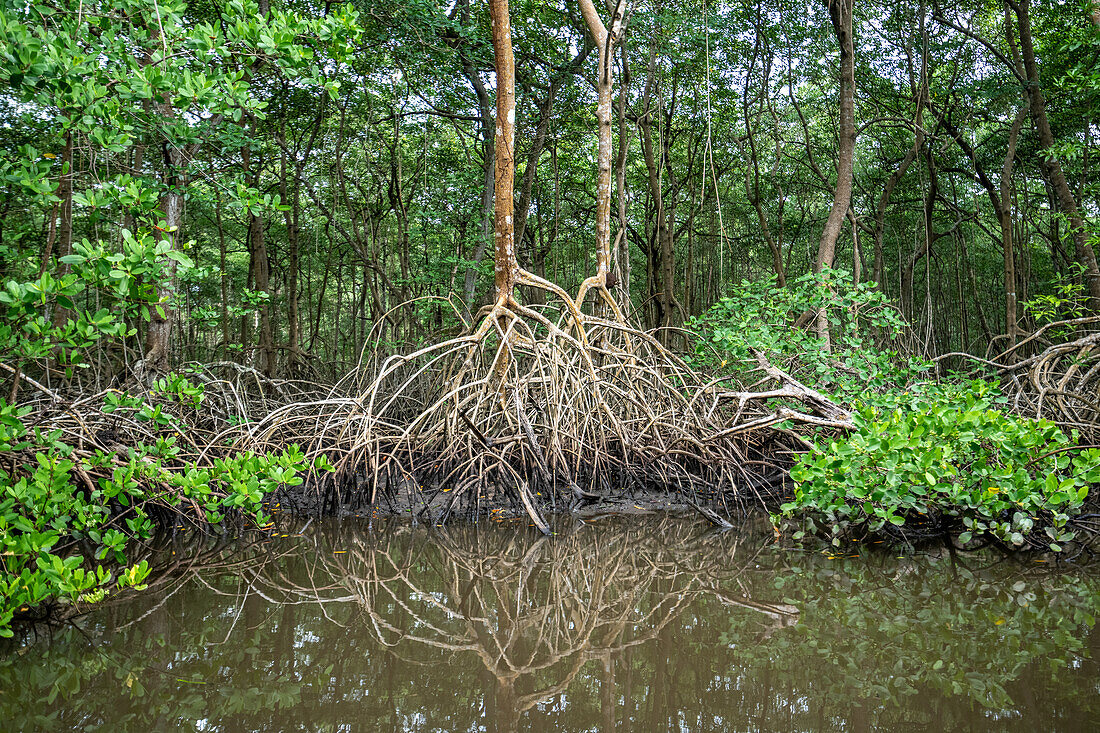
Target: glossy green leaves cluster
[
  {"x": 65, "y": 537},
  {"x": 946, "y": 461}
]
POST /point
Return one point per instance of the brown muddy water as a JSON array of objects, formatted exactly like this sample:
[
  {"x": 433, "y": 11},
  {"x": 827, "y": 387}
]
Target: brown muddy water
[{"x": 616, "y": 623}]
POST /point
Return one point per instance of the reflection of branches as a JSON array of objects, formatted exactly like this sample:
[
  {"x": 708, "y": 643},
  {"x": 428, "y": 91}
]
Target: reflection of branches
[
  {"x": 533, "y": 610},
  {"x": 193, "y": 554}
]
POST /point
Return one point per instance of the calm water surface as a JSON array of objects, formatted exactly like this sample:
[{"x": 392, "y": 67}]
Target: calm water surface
[{"x": 645, "y": 624}]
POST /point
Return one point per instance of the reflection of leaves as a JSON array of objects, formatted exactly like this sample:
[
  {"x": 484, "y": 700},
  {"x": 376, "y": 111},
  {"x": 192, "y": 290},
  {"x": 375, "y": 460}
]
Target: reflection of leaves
[{"x": 952, "y": 634}]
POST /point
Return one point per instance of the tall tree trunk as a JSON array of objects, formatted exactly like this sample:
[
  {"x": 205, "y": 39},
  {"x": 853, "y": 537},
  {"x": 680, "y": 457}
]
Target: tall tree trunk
[
  {"x": 290, "y": 218},
  {"x": 605, "y": 45},
  {"x": 840, "y": 13},
  {"x": 622, "y": 256},
  {"x": 65, "y": 224},
  {"x": 660, "y": 253},
  {"x": 159, "y": 330},
  {"x": 224, "y": 279},
  {"x": 488, "y": 142},
  {"x": 1051, "y": 166},
  {"x": 1004, "y": 216},
  {"x": 260, "y": 268},
  {"x": 924, "y": 246},
  {"x": 507, "y": 266}
]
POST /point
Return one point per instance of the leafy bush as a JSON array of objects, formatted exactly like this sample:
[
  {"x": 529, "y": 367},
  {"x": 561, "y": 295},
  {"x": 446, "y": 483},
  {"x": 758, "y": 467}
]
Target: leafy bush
[
  {"x": 944, "y": 460},
  {"x": 52, "y": 513},
  {"x": 59, "y": 507},
  {"x": 761, "y": 316}
]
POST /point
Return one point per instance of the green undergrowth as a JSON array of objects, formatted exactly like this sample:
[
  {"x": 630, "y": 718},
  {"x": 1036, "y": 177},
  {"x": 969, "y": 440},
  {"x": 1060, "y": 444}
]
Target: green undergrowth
[
  {"x": 69, "y": 522},
  {"x": 925, "y": 458},
  {"x": 944, "y": 460},
  {"x": 84, "y": 487},
  {"x": 862, "y": 361}
]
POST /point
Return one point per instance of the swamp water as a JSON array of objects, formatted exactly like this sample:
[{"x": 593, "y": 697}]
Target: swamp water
[{"x": 619, "y": 623}]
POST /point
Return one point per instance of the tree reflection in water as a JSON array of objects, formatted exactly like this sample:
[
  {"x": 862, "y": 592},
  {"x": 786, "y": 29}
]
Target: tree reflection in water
[
  {"x": 621, "y": 624},
  {"x": 535, "y": 611}
]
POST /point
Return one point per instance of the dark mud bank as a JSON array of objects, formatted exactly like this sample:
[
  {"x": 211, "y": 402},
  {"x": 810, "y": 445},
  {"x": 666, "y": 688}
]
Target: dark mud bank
[{"x": 439, "y": 505}]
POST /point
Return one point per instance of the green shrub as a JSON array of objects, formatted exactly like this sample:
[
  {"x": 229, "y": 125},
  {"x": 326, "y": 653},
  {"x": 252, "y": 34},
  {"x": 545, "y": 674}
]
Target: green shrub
[
  {"x": 761, "y": 316},
  {"x": 69, "y": 519},
  {"x": 944, "y": 460},
  {"x": 56, "y": 509}
]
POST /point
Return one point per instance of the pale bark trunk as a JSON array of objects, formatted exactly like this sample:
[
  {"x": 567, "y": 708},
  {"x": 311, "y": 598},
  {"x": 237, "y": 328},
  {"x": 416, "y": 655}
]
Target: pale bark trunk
[{"x": 605, "y": 45}]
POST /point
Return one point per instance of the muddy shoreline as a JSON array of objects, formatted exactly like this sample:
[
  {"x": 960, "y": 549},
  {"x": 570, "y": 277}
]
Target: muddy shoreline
[{"x": 437, "y": 506}]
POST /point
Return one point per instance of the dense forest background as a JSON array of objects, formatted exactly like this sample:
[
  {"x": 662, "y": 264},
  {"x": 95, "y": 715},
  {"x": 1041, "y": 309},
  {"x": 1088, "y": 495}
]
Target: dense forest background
[{"x": 317, "y": 178}]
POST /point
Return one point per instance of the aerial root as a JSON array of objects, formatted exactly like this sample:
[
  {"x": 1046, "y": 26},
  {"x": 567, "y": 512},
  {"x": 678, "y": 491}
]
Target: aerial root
[
  {"x": 1056, "y": 381},
  {"x": 533, "y": 414}
]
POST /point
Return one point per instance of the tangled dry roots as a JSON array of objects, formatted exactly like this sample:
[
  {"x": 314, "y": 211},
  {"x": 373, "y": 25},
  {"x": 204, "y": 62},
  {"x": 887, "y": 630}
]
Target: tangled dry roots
[
  {"x": 1062, "y": 384},
  {"x": 532, "y": 412},
  {"x": 1058, "y": 380}
]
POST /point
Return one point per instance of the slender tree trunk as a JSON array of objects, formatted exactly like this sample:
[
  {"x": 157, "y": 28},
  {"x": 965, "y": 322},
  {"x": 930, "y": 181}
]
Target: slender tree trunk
[
  {"x": 623, "y": 253},
  {"x": 224, "y": 279},
  {"x": 857, "y": 255},
  {"x": 260, "y": 267},
  {"x": 922, "y": 248},
  {"x": 661, "y": 251},
  {"x": 64, "y": 244},
  {"x": 840, "y": 13},
  {"x": 976, "y": 290},
  {"x": 1052, "y": 168},
  {"x": 1004, "y": 216},
  {"x": 291, "y": 218},
  {"x": 158, "y": 332},
  {"x": 507, "y": 266},
  {"x": 879, "y": 229},
  {"x": 605, "y": 45},
  {"x": 488, "y": 141},
  {"x": 538, "y": 144}
]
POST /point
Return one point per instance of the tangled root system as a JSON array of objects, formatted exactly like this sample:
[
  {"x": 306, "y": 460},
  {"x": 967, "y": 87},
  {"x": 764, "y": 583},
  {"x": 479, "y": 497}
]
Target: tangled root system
[
  {"x": 1053, "y": 378},
  {"x": 533, "y": 413}
]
